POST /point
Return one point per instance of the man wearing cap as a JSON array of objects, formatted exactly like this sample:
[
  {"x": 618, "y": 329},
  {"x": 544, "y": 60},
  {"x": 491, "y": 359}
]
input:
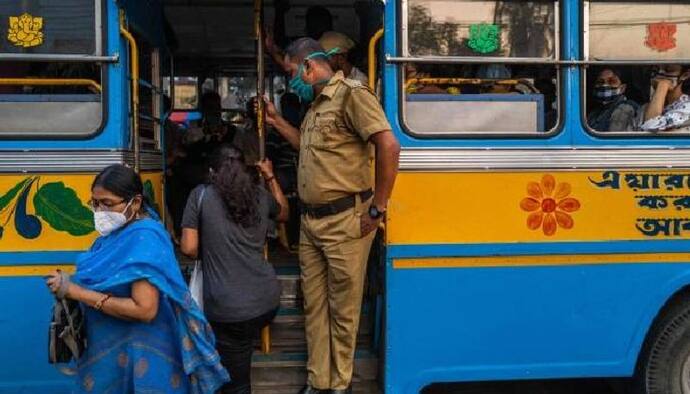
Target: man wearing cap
[
  {"x": 340, "y": 211},
  {"x": 341, "y": 57}
]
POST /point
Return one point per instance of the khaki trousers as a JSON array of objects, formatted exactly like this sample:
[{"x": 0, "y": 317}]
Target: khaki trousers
[{"x": 333, "y": 258}]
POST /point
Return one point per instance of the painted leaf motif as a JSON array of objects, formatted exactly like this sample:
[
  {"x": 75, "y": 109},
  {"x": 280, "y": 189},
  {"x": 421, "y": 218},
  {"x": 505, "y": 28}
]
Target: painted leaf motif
[
  {"x": 550, "y": 225},
  {"x": 150, "y": 194},
  {"x": 60, "y": 207},
  {"x": 12, "y": 193},
  {"x": 529, "y": 204},
  {"x": 564, "y": 220},
  {"x": 534, "y": 190},
  {"x": 534, "y": 220},
  {"x": 569, "y": 205},
  {"x": 562, "y": 191},
  {"x": 548, "y": 183}
]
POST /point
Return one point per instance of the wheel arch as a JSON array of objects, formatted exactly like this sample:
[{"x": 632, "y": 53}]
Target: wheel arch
[{"x": 659, "y": 305}]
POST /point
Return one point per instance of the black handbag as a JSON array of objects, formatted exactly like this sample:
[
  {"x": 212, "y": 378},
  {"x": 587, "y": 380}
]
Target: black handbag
[{"x": 67, "y": 334}]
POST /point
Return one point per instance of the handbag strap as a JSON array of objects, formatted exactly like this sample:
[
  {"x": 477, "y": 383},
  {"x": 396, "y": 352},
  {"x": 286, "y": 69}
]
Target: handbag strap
[{"x": 200, "y": 205}]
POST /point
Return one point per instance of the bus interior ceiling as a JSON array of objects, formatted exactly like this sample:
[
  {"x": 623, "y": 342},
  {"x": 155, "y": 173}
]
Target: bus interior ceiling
[{"x": 216, "y": 35}]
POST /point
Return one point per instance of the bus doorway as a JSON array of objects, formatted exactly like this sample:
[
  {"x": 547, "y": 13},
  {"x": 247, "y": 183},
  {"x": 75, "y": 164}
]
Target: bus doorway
[{"x": 214, "y": 82}]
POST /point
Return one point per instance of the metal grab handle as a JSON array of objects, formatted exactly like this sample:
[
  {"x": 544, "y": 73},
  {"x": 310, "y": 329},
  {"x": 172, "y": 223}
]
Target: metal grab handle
[
  {"x": 134, "y": 58},
  {"x": 372, "y": 58},
  {"x": 51, "y": 82}
]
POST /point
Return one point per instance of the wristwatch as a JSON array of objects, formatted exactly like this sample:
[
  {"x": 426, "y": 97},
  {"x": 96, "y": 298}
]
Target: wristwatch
[{"x": 374, "y": 212}]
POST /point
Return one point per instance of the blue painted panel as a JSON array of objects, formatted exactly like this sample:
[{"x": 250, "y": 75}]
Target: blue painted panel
[
  {"x": 543, "y": 248},
  {"x": 24, "y": 339},
  {"x": 477, "y": 324},
  {"x": 37, "y": 258},
  {"x": 114, "y": 135}
]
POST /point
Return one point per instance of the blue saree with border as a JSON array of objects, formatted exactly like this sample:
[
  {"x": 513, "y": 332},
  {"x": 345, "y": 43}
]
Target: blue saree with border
[{"x": 174, "y": 353}]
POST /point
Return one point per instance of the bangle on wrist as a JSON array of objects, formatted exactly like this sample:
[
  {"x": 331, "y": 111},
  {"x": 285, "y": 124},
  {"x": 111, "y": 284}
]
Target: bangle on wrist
[
  {"x": 99, "y": 304},
  {"x": 270, "y": 178}
]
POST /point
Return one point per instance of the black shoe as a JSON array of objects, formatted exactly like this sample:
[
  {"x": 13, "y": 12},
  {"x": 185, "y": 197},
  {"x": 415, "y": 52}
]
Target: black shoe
[
  {"x": 310, "y": 390},
  {"x": 342, "y": 391}
]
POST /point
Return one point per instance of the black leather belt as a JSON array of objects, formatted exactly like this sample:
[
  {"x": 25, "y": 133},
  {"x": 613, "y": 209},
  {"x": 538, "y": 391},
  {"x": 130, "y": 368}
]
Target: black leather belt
[{"x": 318, "y": 211}]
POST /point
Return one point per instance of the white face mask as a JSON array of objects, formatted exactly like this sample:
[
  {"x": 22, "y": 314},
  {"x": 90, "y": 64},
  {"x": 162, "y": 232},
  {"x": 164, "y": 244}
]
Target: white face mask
[{"x": 106, "y": 222}]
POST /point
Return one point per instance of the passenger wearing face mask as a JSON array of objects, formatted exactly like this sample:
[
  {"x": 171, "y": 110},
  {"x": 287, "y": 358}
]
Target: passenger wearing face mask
[
  {"x": 612, "y": 111},
  {"x": 143, "y": 332},
  {"x": 669, "y": 108}
]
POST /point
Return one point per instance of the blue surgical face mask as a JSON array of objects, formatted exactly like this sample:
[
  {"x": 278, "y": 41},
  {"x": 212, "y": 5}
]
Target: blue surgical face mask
[
  {"x": 297, "y": 84},
  {"x": 301, "y": 88},
  {"x": 607, "y": 93}
]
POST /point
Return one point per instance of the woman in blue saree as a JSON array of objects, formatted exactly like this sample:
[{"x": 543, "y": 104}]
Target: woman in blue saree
[{"x": 144, "y": 333}]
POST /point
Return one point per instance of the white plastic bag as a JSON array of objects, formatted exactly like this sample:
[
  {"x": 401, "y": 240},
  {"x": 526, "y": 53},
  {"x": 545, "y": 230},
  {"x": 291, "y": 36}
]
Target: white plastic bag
[{"x": 196, "y": 285}]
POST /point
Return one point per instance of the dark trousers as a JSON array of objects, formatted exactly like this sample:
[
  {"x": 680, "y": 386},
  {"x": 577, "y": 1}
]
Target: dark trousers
[{"x": 235, "y": 344}]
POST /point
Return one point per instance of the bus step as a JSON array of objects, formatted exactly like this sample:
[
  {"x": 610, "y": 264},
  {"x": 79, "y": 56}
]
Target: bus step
[
  {"x": 291, "y": 289},
  {"x": 282, "y": 370},
  {"x": 287, "y": 331}
]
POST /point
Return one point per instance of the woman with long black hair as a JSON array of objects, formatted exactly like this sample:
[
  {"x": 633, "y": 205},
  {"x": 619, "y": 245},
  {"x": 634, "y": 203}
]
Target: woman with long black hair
[
  {"x": 144, "y": 332},
  {"x": 229, "y": 218}
]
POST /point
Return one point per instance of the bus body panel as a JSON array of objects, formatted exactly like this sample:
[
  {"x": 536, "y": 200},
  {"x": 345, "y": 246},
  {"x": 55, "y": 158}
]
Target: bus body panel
[
  {"x": 23, "y": 264},
  {"x": 474, "y": 294},
  {"x": 512, "y": 323}
]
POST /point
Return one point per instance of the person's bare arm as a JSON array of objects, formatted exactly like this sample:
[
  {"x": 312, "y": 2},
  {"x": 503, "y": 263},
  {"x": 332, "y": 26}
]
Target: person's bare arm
[
  {"x": 290, "y": 133},
  {"x": 189, "y": 245},
  {"x": 141, "y": 306},
  {"x": 656, "y": 104},
  {"x": 266, "y": 168},
  {"x": 387, "y": 161}
]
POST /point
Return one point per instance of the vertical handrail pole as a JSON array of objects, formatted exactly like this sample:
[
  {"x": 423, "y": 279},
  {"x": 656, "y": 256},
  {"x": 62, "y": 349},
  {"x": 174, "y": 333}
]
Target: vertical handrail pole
[
  {"x": 372, "y": 58},
  {"x": 260, "y": 121},
  {"x": 260, "y": 77},
  {"x": 134, "y": 60}
]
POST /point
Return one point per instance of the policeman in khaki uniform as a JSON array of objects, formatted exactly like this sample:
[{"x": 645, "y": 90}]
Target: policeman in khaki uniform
[{"x": 341, "y": 210}]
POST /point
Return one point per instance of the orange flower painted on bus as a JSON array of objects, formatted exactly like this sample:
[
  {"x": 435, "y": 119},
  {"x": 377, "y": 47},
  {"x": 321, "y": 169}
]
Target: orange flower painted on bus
[
  {"x": 550, "y": 205},
  {"x": 661, "y": 36}
]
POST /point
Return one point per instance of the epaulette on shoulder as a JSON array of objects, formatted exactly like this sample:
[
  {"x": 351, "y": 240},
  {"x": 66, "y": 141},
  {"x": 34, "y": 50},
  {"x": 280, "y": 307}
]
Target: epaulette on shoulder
[{"x": 355, "y": 84}]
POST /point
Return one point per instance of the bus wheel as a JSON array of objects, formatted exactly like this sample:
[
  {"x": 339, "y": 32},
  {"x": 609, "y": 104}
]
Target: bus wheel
[{"x": 664, "y": 365}]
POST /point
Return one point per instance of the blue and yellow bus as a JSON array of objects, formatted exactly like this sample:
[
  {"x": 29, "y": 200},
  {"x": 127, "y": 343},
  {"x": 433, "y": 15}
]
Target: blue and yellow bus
[{"x": 523, "y": 240}]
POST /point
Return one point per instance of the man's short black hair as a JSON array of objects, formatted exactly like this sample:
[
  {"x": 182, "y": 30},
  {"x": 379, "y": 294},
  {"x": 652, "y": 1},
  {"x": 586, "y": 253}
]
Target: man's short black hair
[{"x": 299, "y": 49}]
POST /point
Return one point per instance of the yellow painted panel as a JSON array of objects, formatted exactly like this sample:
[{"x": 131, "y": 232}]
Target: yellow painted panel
[
  {"x": 492, "y": 207},
  {"x": 542, "y": 260},
  {"x": 62, "y": 222},
  {"x": 34, "y": 270}
]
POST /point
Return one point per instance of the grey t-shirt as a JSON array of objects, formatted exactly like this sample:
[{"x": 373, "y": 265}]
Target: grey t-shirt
[{"x": 239, "y": 284}]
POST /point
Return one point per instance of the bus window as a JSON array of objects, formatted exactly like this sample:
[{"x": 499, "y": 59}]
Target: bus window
[
  {"x": 150, "y": 93},
  {"x": 480, "y": 67},
  {"x": 51, "y": 98},
  {"x": 186, "y": 92},
  {"x": 236, "y": 91},
  {"x": 644, "y": 98}
]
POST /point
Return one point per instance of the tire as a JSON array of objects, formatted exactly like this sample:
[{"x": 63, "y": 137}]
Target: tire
[{"x": 664, "y": 365}]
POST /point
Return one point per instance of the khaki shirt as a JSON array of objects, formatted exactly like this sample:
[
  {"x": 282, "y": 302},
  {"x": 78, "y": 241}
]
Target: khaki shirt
[{"x": 334, "y": 141}]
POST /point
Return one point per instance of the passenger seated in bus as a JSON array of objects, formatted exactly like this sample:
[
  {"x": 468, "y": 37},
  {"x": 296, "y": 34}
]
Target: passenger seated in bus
[
  {"x": 413, "y": 86},
  {"x": 341, "y": 48},
  {"x": 669, "y": 107},
  {"x": 612, "y": 110},
  {"x": 318, "y": 20}
]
